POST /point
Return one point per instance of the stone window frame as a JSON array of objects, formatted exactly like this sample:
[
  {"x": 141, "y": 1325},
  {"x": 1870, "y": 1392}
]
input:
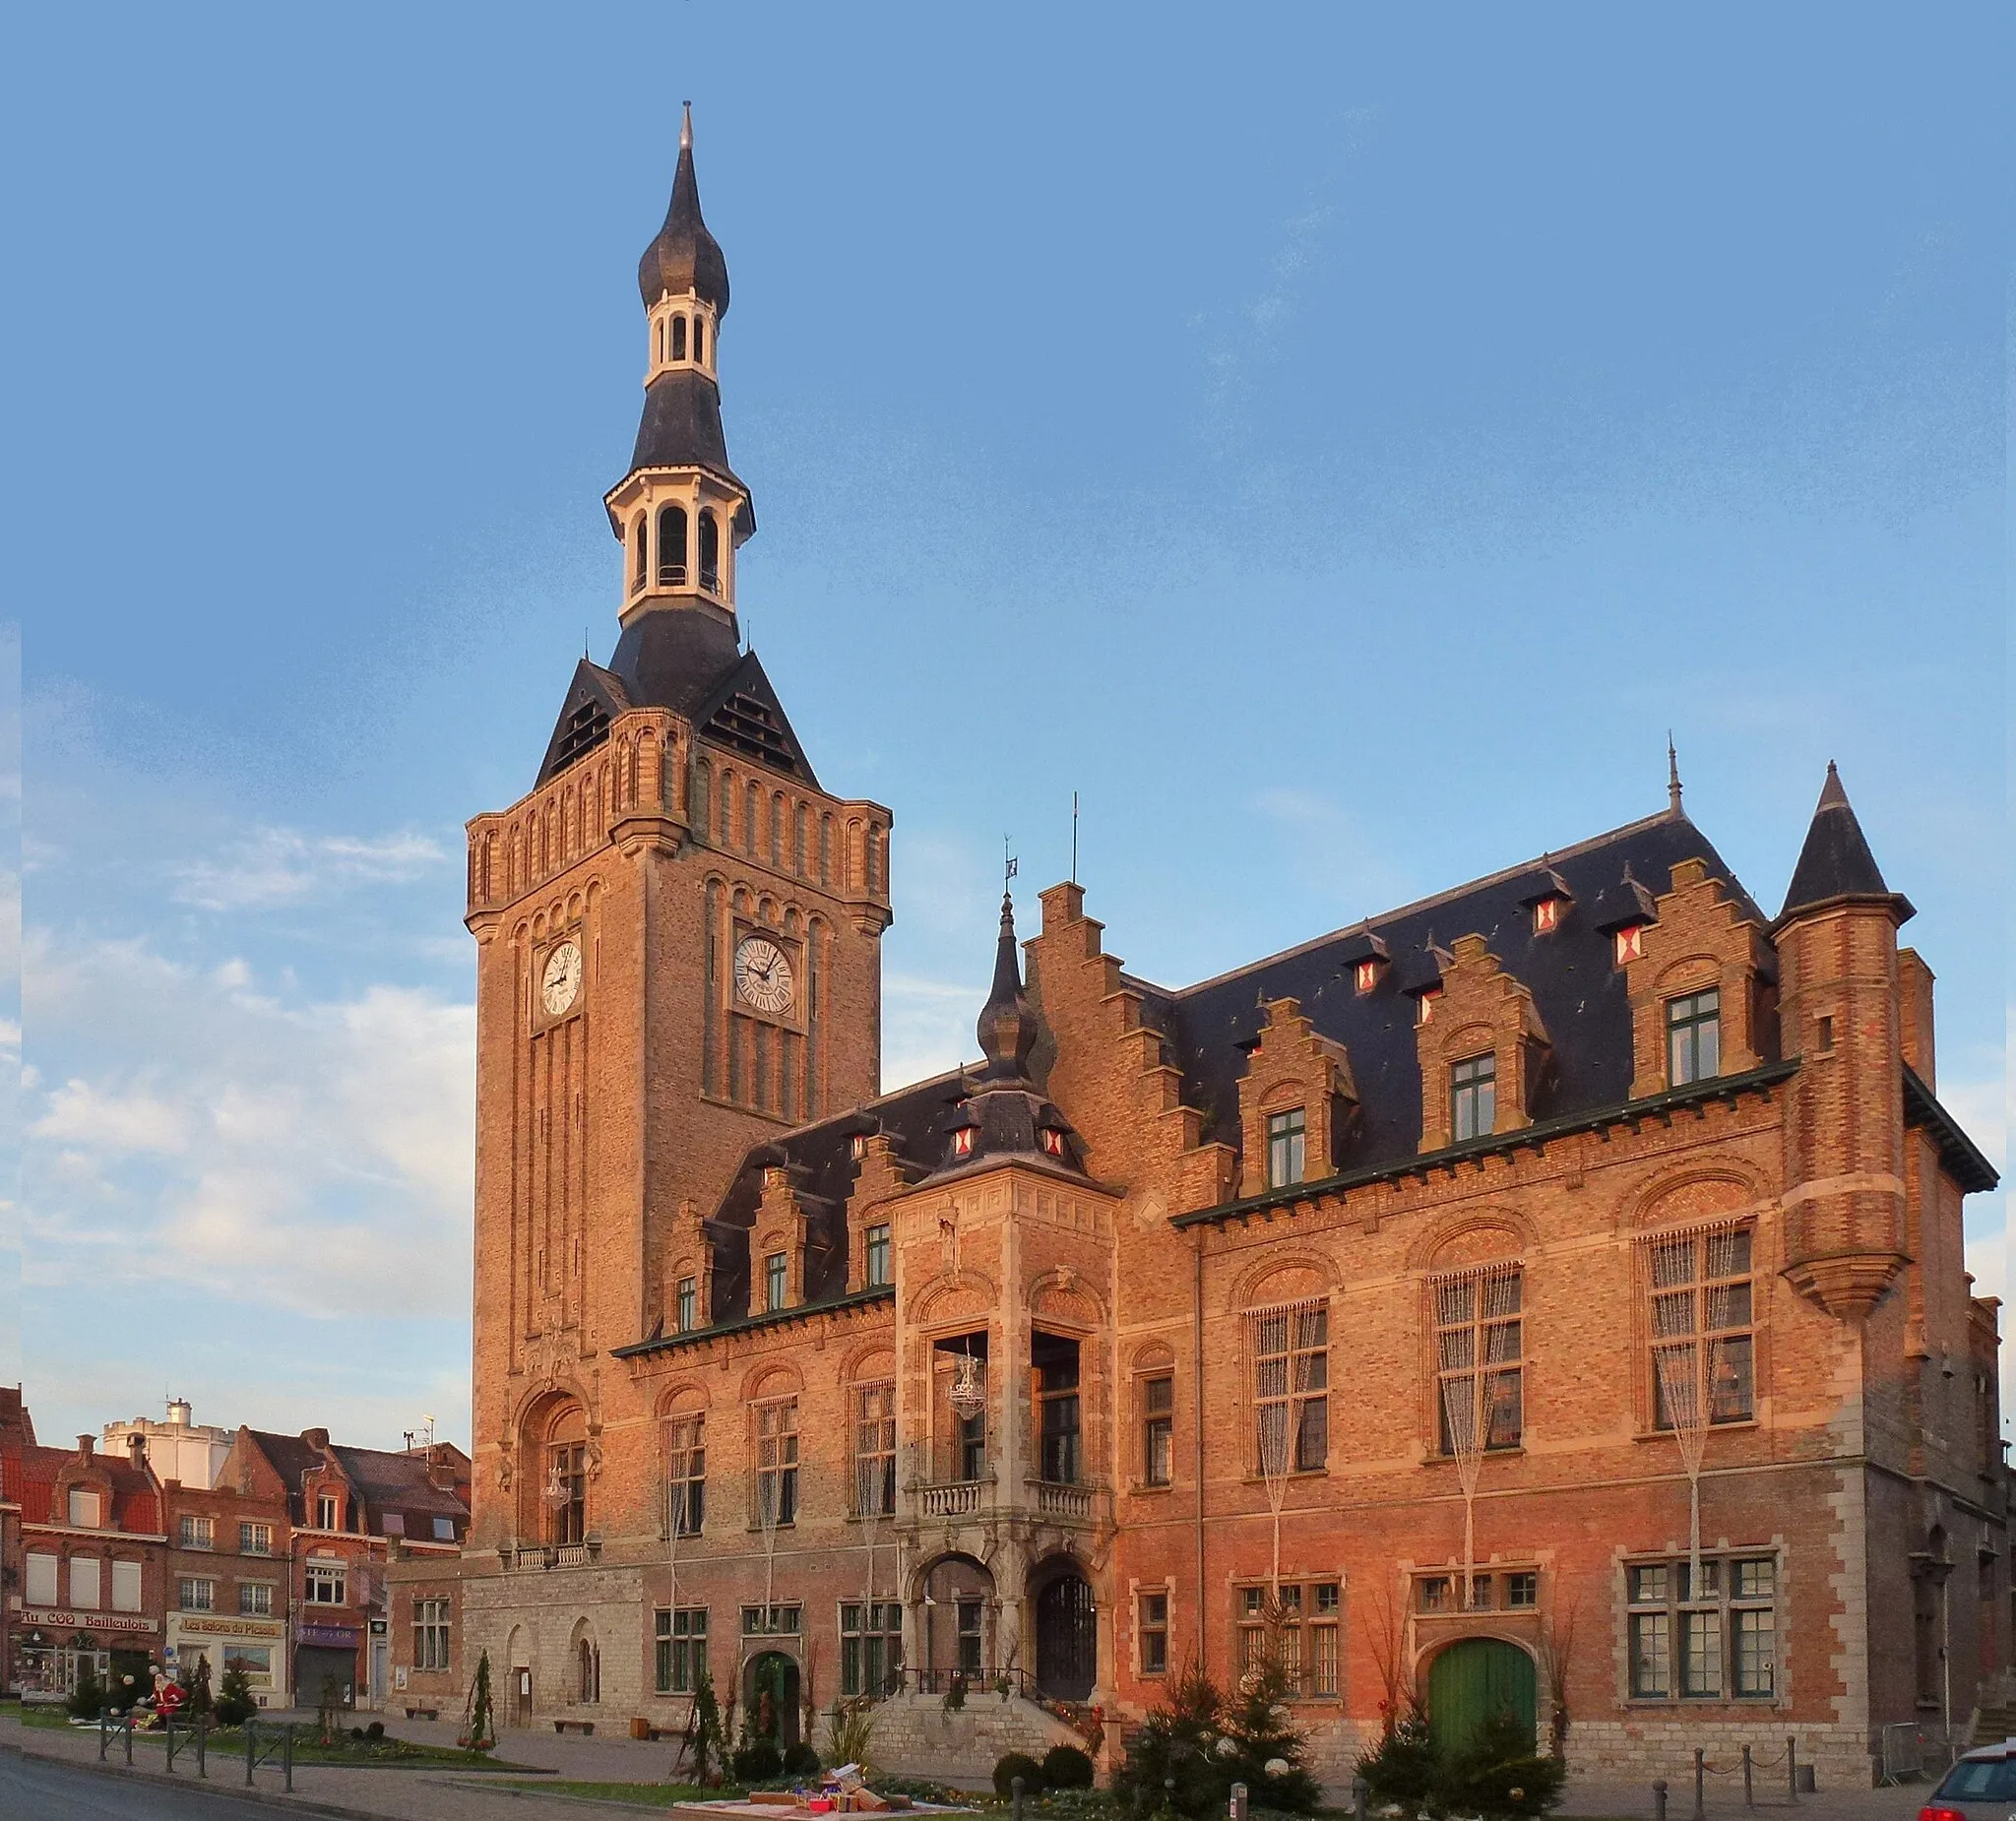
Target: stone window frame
[
  {"x": 672, "y": 1420},
  {"x": 431, "y": 1619},
  {"x": 1725, "y": 1603},
  {"x": 1313, "y": 1618},
  {"x": 668, "y": 1641},
  {"x": 1153, "y": 1363},
  {"x": 788, "y": 1467},
  {"x": 889, "y": 1630},
  {"x": 1291, "y": 1312},
  {"x": 248, "y": 1606},
  {"x": 859, "y": 1391},
  {"x": 1478, "y": 1007},
  {"x": 1144, "y": 1592},
  {"x": 1645, "y": 1245}
]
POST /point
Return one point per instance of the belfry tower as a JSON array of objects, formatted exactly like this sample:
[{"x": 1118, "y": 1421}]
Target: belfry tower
[{"x": 679, "y": 947}]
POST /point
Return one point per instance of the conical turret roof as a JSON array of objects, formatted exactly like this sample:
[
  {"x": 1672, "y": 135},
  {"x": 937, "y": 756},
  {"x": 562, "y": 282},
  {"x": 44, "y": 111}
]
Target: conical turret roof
[{"x": 1836, "y": 862}]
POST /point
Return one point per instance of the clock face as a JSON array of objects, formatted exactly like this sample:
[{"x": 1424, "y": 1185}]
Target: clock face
[
  {"x": 560, "y": 983},
  {"x": 762, "y": 974}
]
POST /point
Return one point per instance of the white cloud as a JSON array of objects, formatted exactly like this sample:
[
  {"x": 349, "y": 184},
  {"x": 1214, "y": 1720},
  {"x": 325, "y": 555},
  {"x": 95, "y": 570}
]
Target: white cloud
[
  {"x": 92, "y": 1118},
  {"x": 309, "y": 1156},
  {"x": 277, "y": 866},
  {"x": 927, "y": 1027}
]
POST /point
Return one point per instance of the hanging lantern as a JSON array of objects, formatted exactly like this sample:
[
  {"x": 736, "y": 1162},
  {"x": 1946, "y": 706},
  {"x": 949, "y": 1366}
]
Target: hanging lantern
[
  {"x": 969, "y": 1394},
  {"x": 556, "y": 1492}
]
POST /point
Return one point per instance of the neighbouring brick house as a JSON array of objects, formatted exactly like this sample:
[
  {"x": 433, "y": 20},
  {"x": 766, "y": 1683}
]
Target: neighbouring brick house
[
  {"x": 1548, "y": 1292},
  {"x": 229, "y": 1581},
  {"x": 347, "y": 1509},
  {"x": 86, "y": 1587}
]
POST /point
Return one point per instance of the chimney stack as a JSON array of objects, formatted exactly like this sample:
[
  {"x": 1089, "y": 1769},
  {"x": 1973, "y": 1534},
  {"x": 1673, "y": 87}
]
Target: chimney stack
[{"x": 84, "y": 1444}]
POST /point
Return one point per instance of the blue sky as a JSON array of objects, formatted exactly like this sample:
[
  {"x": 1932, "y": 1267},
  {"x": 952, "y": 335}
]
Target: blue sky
[{"x": 1338, "y": 442}]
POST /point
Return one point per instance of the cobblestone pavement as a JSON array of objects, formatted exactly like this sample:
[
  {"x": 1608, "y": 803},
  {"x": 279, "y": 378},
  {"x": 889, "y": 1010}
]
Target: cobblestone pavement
[{"x": 429, "y": 1795}]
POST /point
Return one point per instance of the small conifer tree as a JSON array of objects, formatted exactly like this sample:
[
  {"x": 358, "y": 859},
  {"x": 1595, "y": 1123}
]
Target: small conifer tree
[
  {"x": 236, "y": 1703},
  {"x": 1271, "y": 1757},
  {"x": 479, "y": 1726}
]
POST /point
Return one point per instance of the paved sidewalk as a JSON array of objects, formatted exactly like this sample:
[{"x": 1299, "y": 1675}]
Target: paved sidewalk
[{"x": 455, "y": 1795}]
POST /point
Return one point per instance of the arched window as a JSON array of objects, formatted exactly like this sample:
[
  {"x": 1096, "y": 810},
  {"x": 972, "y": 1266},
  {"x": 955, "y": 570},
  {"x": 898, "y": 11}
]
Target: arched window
[
  {"x": 564, "y": 1489},
  {"x": 777, "y": 816},
  {"x": 805, "y": 826},
  {"x": 709, "y": 552},
  {"x": 752, "y": 814},
  {"x": 657, "y": 343},
  {"x": 638, "y": 569},
  {"x": 671, "y": 547},
  {"x": 678, "y": 338},
  {"x": 700, "y": 814},
  {"x": 591, "y": 1670},
  {"x": 700, "y": 339}
]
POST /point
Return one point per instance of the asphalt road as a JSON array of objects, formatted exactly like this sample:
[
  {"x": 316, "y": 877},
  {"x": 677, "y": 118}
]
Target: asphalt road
[{"x": 35, "y": 1790}]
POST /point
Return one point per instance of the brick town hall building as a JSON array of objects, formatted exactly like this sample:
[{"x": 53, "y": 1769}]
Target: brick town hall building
[{"x": 1550, "y": 1293}]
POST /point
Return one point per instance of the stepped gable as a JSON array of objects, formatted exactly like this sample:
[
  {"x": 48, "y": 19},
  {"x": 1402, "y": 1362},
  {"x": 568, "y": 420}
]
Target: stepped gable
[
  {"x": 1581, "y": 998},
  {"x": 820, "y": 1157}
]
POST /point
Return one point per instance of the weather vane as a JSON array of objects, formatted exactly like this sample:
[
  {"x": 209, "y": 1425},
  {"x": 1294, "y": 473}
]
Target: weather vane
[{"x": 1007, "y": 863}]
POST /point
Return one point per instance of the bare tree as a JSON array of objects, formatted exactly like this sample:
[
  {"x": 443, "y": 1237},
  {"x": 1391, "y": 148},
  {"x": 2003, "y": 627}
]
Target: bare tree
[
  {"x": 1557, "y": 1650},
  {"x": 1385, "y": 1625}
]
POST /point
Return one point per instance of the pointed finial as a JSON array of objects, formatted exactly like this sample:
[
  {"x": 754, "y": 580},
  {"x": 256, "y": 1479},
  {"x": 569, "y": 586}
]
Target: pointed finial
[
  {"x": 686, "y": 128},
  {"x": 1008, "y": 867},
  {"x": 1832, "y": 795},
  {"x": 1673, "y": 775}
]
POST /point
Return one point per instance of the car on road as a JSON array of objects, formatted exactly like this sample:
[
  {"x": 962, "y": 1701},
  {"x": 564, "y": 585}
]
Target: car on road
[{"x": 1981, "y": 1786}]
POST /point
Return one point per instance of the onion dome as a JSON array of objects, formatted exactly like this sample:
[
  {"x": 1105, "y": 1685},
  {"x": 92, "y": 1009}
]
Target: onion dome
[
  {"x": 1007, "y": 1026},
  {"x": 685, "y": 257}
]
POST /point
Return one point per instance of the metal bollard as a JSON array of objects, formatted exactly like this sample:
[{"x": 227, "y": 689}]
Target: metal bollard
[
  {"x": 1659, "y": 1799},
  {"x": 104, "y": 1734},
  {"x": 201, "y": 1740},
  {"x": 1700, "y": 1785},
  {"x": 1749, "y": 1794},
  {"x": 1360, "y": 1798},
  {"x": 129, "y": 1737},
  {"x": 1791, "y": 1767},
  {"x": 1014, "y": 1797},
  {"x": 251, "y": 1749},
  {"x": 287, "y": 1757},
  {"x": 1239, "y": 1802},
  {"x": 171, "y": 1744}
]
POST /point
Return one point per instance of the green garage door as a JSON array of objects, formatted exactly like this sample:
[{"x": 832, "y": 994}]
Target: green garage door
[{"x": 1477, "y": 1677}]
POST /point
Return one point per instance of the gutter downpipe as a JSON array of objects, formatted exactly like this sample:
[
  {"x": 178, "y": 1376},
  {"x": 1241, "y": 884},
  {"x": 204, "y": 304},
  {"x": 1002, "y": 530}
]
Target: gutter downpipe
[{"x": 1197, "y": 1372}]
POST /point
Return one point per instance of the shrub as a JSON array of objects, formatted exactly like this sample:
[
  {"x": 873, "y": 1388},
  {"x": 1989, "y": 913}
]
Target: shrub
[
  {"x": 1065, "y": 1767},
  {"x": 706, "y": 1734},
  {"x": 88, "y": 1701},
  {"x": 1018, "y": 1764},
  {"x": 800, "y": 1760},
  {"x": 758, "y": 1762},
  {"x": 1402, "y": 1768},
  {"x": 1269, "y": 1751},
  {"x": 1180, "y": 1744},
  {"x": 375, "y": 1730},
  {"x": 357, "y": 1736},
  {"x": 1498, "y": 1775},
  {"x": 852, "y": 1726},
  {"x": 234, "y": 1700}
]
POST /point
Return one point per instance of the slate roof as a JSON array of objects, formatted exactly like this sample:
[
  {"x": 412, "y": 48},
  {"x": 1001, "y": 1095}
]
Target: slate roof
[
  {"x": 684, "y": 256},
  {"x": 397, "y": 1482},
  {"x": 681, "y": 428},
  {"x": 1836, "y": 862},
  {"x": 1209, "y": 1029},
  {"x": 687, "y": 660}
]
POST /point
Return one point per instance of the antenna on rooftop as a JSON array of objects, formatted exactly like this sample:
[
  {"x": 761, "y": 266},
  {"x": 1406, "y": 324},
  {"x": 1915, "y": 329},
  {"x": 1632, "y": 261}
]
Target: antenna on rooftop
[{"x": 1074, "y": 838}]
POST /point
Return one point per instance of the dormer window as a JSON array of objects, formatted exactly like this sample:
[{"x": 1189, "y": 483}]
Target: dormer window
[
  {"x": 1424, "y": 1006},
  {"x": 1693, "y": 1038},
  {"x": 1285, "y": 1134},
  {"x": 878, "y": 1256},
  {"x": 857, "y": 1147},
  {"x": 1630, "y": 941},
  {"x": 1367, "y": 974},
  {"x": 962, "y": 1142},
  {"x": 1546, "y": 916},
  {"x": 1474, "y": 1098},
  {"x": 86, "y": 1509},
  {"x": 686, "y": 1306},
  {"x": 325, "y": 1512},
  {"x": 1054, "y": 1142}
]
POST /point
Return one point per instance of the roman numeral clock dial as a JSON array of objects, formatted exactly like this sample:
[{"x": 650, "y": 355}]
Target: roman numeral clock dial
[
  {"x": 560, "y": 980},
  {"x": 763, "y": 976}
]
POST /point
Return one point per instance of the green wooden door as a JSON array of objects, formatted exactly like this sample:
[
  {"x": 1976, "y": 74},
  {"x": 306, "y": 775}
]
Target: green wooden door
[{"x": 1475, "y": 1677}]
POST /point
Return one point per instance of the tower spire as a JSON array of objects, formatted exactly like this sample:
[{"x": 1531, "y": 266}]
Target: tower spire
[
  {"x": 1673, "y": 775},
  {"x": 681, "y": 512},
  {"x": 1007, "y": 1028}
]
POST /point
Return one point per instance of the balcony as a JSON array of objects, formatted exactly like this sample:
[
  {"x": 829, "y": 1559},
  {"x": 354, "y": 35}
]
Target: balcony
[
  {"x": 951, "y": 1498},
  {"x": 530, "y": 1557},
  {"x": 1068, "y": 1504}
]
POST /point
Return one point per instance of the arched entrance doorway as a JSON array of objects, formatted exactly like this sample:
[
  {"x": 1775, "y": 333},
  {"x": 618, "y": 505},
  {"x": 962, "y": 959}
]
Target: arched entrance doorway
[
  {"x": 1475, "y": 1677},
  {"x": 769, "y": 1687},
  {"x": 955, "y": 1627},
  {"x": 1066, "y": 1636}
]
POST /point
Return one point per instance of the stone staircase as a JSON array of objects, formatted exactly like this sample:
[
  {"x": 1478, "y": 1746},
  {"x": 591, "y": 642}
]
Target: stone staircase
[
  {"x": 1994, "y": 1724},
  {"x": 915, "y": 1736}
]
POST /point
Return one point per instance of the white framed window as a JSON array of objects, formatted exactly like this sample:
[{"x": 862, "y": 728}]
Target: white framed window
[
  {"x": 86, "y": 1583},
  {"x": 193, "y": 1532},
  {"x": 125, "y": 1586},
  {"x": 196, "y": 1595},
  {"x": 327, "y": 1584},
  {"x": 325, "y": 1511},
  {"x": 87, "y": 1509},
  {"x": 39, "y": 1578},
  {"x": 430, "y": 1633},
  {"x": 255, "y": 1539},
  {"x": 255, "y": 1599}
]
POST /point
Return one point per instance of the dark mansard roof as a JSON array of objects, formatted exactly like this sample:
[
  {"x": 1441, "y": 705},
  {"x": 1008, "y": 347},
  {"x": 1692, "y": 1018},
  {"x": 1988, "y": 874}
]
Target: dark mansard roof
[{"x": 1207, "y": 1030}]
